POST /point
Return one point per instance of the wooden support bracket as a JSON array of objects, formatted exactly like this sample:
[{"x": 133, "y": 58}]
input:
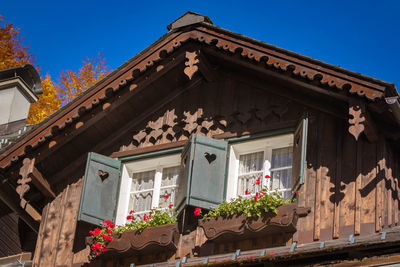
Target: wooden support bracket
[{"x": 29, "y": 173}]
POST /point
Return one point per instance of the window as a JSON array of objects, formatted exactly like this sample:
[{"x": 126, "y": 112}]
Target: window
[
  {"x": 145, "y": 183},
  {"x": 251, "y": 161}
]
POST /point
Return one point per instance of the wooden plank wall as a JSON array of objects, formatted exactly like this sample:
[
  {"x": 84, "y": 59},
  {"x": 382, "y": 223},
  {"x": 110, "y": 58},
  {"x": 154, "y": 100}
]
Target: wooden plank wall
[
  {"x": 352, "y": 186},
  {"x": 54, "y": 245},
  {"x": 9, "y": 235}
]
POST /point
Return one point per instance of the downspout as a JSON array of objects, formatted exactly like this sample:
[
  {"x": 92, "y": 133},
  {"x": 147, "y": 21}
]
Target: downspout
[{"x": 394, "y": 106}]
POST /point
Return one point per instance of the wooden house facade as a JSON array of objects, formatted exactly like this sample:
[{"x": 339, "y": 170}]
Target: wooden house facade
[{"x": 198, "y": 105}]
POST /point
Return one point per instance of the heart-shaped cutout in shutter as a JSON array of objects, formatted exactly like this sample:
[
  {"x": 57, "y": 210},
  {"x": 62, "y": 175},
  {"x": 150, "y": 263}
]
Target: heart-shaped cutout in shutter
[
  {"x": 103, "y": 175},
  {"x": 210, "y": 157}
]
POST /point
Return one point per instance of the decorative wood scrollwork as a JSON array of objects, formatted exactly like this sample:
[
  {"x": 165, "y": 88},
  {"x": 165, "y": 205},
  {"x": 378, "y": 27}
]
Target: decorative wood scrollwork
[
  {"x": 172, "y": 126},
  {"x": 356, "y": 127},
  {"x": 26, "y": 169},
  {"x": 191, "y": 64}
]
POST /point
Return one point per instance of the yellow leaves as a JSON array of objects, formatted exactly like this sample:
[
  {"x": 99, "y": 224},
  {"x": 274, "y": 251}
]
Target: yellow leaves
[
  {"x": 47, "y": 104},
  {"x": 12, "y": 52},
  {"x": 72, "y": 84}
]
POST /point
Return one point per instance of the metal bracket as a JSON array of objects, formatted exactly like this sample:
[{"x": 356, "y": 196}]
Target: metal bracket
[
  {"x": 293, "y": 246},
  {"x": 383, "y": 236},
  {"x": 351, "y": 239}
]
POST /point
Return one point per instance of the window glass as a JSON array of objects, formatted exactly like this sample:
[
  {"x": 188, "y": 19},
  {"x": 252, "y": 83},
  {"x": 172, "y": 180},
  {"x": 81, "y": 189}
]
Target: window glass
[
  {"x": 250, "y": 170},
  {"x": 169, "y": 184},
  {"x": 142, "y": 191},
  {"x": 145, "y": 185},
  {"x": 281, "y": 171}
]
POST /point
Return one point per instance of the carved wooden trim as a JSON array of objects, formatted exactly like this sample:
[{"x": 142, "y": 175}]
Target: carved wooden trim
[
  {"x": 151, "y": 239},
  {"x": 273, "y": 58},
  {"x": 228, "y": 228},
  {"x": 196, "y": 122},
  {"x": 361, "y": 121},
  {"x": 191, "y": 64},
  {"x": 26, "y": 169},
  {"x": 29, "y": 173},
  {"x": 356, "y": 127}
]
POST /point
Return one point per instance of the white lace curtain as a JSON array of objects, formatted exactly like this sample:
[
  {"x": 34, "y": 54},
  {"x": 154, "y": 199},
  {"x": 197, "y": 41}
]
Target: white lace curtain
[
  {"x": 144, "y": 186},
  {"x": 251, "y": 168}
]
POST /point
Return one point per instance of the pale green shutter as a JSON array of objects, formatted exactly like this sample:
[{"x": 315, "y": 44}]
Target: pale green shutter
[
  {"x": 299, "y": 153},
  {"x": 203, "y": 181},
  {"x": 100, "y": 189}
]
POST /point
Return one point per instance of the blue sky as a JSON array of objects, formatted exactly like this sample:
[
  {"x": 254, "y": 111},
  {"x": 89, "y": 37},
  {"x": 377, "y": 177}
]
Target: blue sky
[{"x": 362, "y": 36}]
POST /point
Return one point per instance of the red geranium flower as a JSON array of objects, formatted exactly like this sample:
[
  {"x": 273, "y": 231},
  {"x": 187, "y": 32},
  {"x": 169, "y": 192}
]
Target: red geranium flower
[
  {"x": 258, "y": 181},
  {"x": 170, "y": 205},
  {"x": 109, "y": 231},
  {"x": 145, "y": 218},
  {"x": 104, "y": 249},
  {"x": 132, "y": 211},
  {"x": 255, "y": 198},
  {"x": 130, "y": 217},
  {"x": 96, "y": 231},
  {"x": 166, "y": 196},
  {"x": 247, "y": 192},
  {"x": 106, "y": 237},
  {"x": 267, "y": 176},
  {"x": 96, "y": 246},
  {"x": 197, "y": 211},
  {"x": 109, "y": 224}
]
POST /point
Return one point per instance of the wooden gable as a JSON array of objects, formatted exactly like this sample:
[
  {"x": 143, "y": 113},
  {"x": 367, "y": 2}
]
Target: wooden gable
[{"x": 201, "y": 80}]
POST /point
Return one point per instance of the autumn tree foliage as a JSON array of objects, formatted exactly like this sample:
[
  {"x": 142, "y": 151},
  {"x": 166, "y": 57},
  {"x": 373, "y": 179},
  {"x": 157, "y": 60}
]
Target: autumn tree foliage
[
  {"x": 55, "y": 94},
  {"x": 47, "y": 104},
  {"x": 71, "y": 84},
  {"x": 12, "y": 52}
]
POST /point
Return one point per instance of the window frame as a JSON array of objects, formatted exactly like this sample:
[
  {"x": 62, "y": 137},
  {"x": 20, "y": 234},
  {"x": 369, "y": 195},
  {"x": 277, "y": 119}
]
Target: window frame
[
  {"x": 249, "y": 145},
  {"x": 156, "y": 160}
]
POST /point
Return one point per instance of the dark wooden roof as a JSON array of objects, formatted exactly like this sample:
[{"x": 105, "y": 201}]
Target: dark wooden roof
[{"x": 262, "y": 55}]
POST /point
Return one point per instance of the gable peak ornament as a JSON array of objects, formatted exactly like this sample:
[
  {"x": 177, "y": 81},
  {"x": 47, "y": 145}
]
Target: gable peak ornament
[{"x": 191, "y": 64}]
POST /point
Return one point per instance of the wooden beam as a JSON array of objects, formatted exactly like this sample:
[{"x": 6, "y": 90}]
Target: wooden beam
[
  {"x": 30, "y": 173},
  {"x": 149, "y": 149},
  {"x": 26, "y": 212}
]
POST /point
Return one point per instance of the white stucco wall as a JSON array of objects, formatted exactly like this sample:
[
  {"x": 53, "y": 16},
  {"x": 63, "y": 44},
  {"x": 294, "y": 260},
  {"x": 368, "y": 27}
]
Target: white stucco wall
[{"x": 13, "y": 105}]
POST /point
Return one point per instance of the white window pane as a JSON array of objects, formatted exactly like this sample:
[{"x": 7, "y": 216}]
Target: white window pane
[
  {"x": 141, "y": 201},
  {"x": 164, "y": 203},
  {"x": 249, "y": 182},
  {"x": 251, "y": 162},
  {"x": 170, "y": 176},
  {"x": 282, "y": 157},
  {"x": 142, "y": 181},
  {"x": 282, "y": 179}
]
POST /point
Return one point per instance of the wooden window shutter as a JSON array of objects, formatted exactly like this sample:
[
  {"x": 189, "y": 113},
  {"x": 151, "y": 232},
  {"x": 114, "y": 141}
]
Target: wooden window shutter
[
  {"x": 100, "y": 189},
  {"x": 299, "y": 153},
  {"x": 203, "y": 173}
]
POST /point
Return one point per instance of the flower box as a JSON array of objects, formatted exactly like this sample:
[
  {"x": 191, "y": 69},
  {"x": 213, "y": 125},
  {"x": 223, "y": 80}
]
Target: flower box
[
  {"x": 150, "y": 239},
  {"x": 237, "y": 227}
]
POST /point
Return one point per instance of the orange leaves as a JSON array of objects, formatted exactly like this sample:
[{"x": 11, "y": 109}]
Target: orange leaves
[
  {"x": 69, "y": 85},
  {"x": 72, "y": 84},
  {"x": 12, "y": 52},
  {"x": 47, "y": 104}
]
